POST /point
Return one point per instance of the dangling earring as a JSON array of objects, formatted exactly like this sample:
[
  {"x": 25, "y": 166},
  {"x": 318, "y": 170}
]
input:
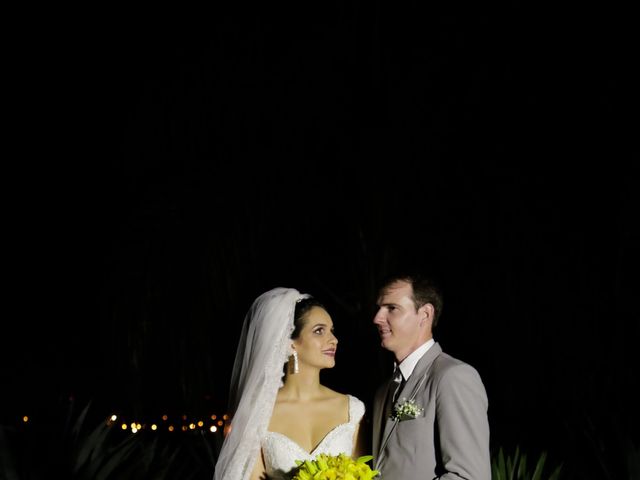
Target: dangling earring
[{"x": 296, "y": 369}]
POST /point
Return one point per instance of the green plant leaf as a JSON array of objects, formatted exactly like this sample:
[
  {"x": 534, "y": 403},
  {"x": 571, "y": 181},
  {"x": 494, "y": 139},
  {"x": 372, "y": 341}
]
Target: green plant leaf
[{"x": 537, "y": 473}]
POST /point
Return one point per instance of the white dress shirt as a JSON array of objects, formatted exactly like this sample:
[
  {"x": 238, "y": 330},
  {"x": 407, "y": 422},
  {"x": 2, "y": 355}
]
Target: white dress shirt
[{"x": 408, "y": 364}]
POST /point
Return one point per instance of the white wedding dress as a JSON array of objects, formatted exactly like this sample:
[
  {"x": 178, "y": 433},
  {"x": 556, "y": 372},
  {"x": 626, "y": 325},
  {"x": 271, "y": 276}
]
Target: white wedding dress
[{"x": 280, "y": 452}]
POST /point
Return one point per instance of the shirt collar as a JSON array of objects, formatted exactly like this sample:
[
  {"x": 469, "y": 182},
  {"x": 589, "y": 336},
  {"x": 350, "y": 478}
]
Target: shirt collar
[{"x": 409, "y": 364}]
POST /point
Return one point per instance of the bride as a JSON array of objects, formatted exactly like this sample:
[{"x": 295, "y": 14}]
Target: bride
[{"x": 281, "y": 411}]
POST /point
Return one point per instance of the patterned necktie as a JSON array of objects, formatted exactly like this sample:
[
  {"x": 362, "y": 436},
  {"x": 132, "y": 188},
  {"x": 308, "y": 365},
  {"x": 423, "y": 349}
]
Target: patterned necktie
[
  {"x": 399, "y": 379},
  {"x": 394, "y": 389}
]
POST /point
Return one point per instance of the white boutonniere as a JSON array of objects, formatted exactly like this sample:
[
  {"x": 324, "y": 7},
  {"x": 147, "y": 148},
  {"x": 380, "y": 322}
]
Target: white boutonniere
[{"x": 406, "y": 410}]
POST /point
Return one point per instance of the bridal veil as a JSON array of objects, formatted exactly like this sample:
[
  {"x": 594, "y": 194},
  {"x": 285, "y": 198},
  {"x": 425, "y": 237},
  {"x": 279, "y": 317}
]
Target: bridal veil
[{"x": 263, "y": 349}]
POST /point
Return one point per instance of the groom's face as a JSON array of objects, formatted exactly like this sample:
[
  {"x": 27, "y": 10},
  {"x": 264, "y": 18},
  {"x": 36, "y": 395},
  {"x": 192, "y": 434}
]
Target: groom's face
[{"x": 401, "y": 327}]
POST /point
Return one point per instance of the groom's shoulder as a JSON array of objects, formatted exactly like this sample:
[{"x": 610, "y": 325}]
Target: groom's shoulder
[{"x": 447, "y": 365}]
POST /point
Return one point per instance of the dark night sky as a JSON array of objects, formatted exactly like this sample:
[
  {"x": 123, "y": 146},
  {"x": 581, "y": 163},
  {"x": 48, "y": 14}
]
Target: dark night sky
[{"x": 175, "y": 165}]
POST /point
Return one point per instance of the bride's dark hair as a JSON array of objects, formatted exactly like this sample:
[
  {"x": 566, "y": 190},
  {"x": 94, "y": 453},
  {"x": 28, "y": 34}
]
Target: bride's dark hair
[{"x": 300, "y": 315}]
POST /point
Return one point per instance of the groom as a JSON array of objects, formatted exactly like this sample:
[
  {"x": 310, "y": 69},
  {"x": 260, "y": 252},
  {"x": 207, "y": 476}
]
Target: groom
[{"x": 430, "y": 421}]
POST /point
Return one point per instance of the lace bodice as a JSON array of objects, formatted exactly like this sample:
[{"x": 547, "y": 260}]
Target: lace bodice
[{"x": 280, "y": 452}]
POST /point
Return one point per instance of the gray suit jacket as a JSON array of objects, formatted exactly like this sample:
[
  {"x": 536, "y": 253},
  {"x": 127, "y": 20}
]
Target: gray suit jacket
[{"x": 450, "y": 438}]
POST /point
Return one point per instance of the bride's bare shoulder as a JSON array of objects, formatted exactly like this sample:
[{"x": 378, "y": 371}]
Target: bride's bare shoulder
[{"x": 333, "y": 395}]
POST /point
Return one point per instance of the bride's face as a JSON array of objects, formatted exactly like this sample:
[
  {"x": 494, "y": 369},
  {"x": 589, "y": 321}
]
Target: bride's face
[{"x": 316, "y": 345}]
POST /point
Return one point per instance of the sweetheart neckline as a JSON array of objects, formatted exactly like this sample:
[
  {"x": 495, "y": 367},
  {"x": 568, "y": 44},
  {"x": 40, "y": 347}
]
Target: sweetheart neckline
[
  {"x": 326, "y": 435},
  {"x": 310, "y": 454}
]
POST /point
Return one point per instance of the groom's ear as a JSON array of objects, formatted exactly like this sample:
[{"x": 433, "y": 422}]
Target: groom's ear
[{"x": 426, "y": 313}]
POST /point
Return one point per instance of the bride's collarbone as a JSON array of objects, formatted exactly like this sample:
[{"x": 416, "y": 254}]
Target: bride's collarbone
[{"x": 308, "y": 423}]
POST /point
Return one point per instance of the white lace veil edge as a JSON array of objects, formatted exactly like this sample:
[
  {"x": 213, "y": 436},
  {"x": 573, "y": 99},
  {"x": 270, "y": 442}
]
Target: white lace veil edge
[{"x": 263, "y": 348}]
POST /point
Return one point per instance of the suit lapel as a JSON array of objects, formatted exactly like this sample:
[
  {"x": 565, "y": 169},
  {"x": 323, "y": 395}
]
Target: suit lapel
[{"x": 414, "y": 383}]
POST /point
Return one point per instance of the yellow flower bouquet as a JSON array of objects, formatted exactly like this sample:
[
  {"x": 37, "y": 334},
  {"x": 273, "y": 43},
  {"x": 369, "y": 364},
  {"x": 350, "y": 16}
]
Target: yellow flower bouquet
[{"x": 340, "y": 467}]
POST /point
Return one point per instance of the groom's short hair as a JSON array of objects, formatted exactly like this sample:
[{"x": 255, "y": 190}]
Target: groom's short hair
[{"x": 425, "y": 290}]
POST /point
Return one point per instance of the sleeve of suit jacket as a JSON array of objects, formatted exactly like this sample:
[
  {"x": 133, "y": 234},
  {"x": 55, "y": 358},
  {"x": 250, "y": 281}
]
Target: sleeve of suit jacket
[{"x": 463, "y": 425}]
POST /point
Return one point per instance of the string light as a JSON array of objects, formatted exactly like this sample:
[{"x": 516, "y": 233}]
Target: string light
[
  {"x": 185, "y": 424},
  {"x": 216, "y": 423}
]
